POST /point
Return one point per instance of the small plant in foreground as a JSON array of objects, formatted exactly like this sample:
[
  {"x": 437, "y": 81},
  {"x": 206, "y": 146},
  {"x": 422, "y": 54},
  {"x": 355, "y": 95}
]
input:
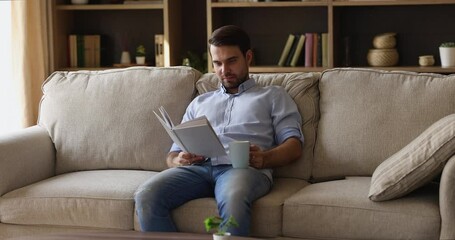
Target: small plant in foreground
[{"x": 214, "y": 222}]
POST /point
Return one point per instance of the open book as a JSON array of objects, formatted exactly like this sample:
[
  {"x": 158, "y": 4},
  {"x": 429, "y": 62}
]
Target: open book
[{"x": 195, "y": 136}]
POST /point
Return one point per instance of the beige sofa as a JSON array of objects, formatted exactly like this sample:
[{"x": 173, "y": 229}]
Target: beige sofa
[{"x": 97, "y": 140}]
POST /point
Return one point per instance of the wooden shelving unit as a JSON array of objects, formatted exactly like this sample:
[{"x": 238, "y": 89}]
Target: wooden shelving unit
[
  {"x": 421, "y": 25},
  {"x": 121, "y": 26}
]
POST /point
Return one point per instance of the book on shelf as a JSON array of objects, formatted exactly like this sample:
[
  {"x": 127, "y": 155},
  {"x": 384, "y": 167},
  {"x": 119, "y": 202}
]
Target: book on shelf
[
  {"x": 80, "y": 50},
  {"x": 325, "y": 46},
  {"x": 195, "y": 136},
  {"x": 159, "y": 50},
  {"x": 308, "y": 49},
  {"x": 72, "y": 50},
  {"x": 286, "y": 50},
  {"x": 292, "y": 51},
  {"x": 319, "y": 50},
  {"x": 298, "y": 51},
  {"x": 84, "y": 50},
  {"x": 315, "y": 50}
]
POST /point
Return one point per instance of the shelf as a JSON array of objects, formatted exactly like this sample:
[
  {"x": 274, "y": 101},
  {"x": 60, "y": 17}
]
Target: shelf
[
  {"x": 110, "y": 7},
  {"x": 329, "y": 2},
  {"x": 275, "y": 69},
  {"x": 269, "y": 4},
  {"x": 433, "y": 69},
  {"x": 84, "y": 69},
  {"x": 389, "y": 3}
]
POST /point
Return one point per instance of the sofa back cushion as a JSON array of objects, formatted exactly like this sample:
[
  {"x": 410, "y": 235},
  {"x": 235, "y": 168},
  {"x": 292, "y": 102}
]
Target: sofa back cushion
[
  {"x": 104, "y": 119},
  {"x": 303, "y": 88},
  {"x": 368, "y": 115}
]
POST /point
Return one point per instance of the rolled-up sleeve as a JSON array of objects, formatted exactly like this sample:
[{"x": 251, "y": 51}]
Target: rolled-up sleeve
[{"x": 287, "y": 120}]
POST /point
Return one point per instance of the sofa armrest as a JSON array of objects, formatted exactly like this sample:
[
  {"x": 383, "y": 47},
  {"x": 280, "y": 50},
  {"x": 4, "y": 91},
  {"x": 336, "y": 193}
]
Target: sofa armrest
[
  {"x": 447, "y": 200},
  {"x": 26, "y": 156}
]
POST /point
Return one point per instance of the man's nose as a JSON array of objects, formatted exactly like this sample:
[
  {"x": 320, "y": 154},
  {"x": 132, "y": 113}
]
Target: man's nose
[{"x": 225, "y": 68}]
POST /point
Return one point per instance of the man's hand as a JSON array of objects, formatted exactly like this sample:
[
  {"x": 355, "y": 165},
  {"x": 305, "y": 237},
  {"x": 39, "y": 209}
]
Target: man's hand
[
  {"x": 290, "y": 150},
  {"x": 256, "y": 157},
  {"x": 176, "y": 159}
]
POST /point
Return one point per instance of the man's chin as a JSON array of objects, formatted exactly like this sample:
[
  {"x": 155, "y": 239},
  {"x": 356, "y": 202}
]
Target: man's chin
[{"x": 229, "y": 83}]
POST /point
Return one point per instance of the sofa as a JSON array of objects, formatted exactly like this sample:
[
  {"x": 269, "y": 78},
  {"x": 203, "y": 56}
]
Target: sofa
[{"x": 377, "y": 161}]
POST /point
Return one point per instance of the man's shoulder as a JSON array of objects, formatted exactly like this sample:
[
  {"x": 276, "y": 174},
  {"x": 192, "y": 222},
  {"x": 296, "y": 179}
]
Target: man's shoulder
[{"x": 273, "y": 89}]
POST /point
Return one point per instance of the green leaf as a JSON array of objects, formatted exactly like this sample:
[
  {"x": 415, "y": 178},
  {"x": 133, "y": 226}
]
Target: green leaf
[
  {"x": 447, "y": 44},
  {"x": 214, "y": 222}
]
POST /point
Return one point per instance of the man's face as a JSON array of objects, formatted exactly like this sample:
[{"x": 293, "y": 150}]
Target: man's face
[{"x": 230, "y": 65}]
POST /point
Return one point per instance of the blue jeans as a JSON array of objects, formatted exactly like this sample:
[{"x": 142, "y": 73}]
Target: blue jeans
[{"x": 234, "y": 191}]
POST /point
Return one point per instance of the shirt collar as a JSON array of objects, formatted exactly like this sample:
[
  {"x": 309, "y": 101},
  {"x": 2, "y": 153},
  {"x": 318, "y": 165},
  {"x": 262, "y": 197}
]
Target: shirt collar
[{"x": 242, "y": 87}]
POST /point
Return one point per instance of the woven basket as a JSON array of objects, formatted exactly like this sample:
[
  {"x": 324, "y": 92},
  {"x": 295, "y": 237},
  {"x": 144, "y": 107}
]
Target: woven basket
[
  {"x": 426, "y": 60},
  {"x": 385, "y": 41},
  {"x": 382, "y": 57}
]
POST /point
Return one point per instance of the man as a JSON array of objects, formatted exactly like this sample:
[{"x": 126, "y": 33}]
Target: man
[{"x": 239, "y": 110}]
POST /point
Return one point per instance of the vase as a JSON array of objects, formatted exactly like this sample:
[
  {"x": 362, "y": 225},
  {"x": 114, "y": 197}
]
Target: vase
[
  {"x": 140, "y": 60},
  {"x": 226, "y": 236},
  {"x": 125, "y": 58},
  {"x": 447, "y": 55}
]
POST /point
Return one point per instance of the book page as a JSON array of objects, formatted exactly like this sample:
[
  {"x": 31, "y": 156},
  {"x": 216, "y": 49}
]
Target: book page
[
  {"x": 200, "y": 139},
  {"x": 170, "y": 132},
  {"x": 166, "y": 117},
  {"x": 195, "y": 136}
]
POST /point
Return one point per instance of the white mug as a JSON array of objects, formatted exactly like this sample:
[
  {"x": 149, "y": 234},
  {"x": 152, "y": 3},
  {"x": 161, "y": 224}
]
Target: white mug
[{"x": 239, "y": 154}]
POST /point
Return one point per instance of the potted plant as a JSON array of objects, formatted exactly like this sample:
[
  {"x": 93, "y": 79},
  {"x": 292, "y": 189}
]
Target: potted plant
[
  {"x": 447, "y": 54},
  {"x": 214, "y": 222},
  {"x": 140, "y": 54}
]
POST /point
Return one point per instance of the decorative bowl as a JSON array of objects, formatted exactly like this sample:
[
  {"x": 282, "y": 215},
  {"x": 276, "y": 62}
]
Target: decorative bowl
[
  {"x": 426, "y": 60},
  {"x": 384, "y": 41}
]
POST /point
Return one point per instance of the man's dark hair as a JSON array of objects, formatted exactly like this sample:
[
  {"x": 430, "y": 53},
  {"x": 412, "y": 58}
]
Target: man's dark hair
[{"x": 231, "y": 35}]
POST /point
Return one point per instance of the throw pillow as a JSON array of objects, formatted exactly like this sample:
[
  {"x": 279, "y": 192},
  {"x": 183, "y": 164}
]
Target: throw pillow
[{"x": 416, "y": 164}]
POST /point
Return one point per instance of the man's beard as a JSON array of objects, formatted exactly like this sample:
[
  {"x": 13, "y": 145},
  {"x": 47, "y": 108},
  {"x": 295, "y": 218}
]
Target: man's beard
[{"x": 232, "y": 85}]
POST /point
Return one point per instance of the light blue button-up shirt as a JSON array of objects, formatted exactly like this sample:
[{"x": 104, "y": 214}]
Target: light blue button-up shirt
[{"x": 265, "y": 116}]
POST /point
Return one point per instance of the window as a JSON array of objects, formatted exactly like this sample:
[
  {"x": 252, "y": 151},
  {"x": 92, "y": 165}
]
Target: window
[{"x": 10, "y": 103}]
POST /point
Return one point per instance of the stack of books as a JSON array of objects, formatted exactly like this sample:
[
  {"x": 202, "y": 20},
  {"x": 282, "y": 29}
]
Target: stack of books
[
  {"x": 305, "y": 49},
  {"x": 84, "y": 50}
]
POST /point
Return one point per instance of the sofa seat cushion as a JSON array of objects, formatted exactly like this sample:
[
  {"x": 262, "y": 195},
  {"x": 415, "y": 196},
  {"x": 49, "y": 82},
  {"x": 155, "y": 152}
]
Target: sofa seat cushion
[
  {"x": 303, "y": 89},
  {"x": 368, "y": 115},
  {"x": 104, "y": 119},
  {"x": 266, "y": 212},
  {"x": 341, "y": 210},
  {"x": 95, "y": 199}
]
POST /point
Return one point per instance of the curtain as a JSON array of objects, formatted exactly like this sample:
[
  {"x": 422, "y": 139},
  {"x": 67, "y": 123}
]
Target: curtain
[{"x": 30, "y": 56}]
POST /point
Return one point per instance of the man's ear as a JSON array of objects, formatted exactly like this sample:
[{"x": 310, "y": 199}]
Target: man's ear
[{"x": 249, "y": 56}]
